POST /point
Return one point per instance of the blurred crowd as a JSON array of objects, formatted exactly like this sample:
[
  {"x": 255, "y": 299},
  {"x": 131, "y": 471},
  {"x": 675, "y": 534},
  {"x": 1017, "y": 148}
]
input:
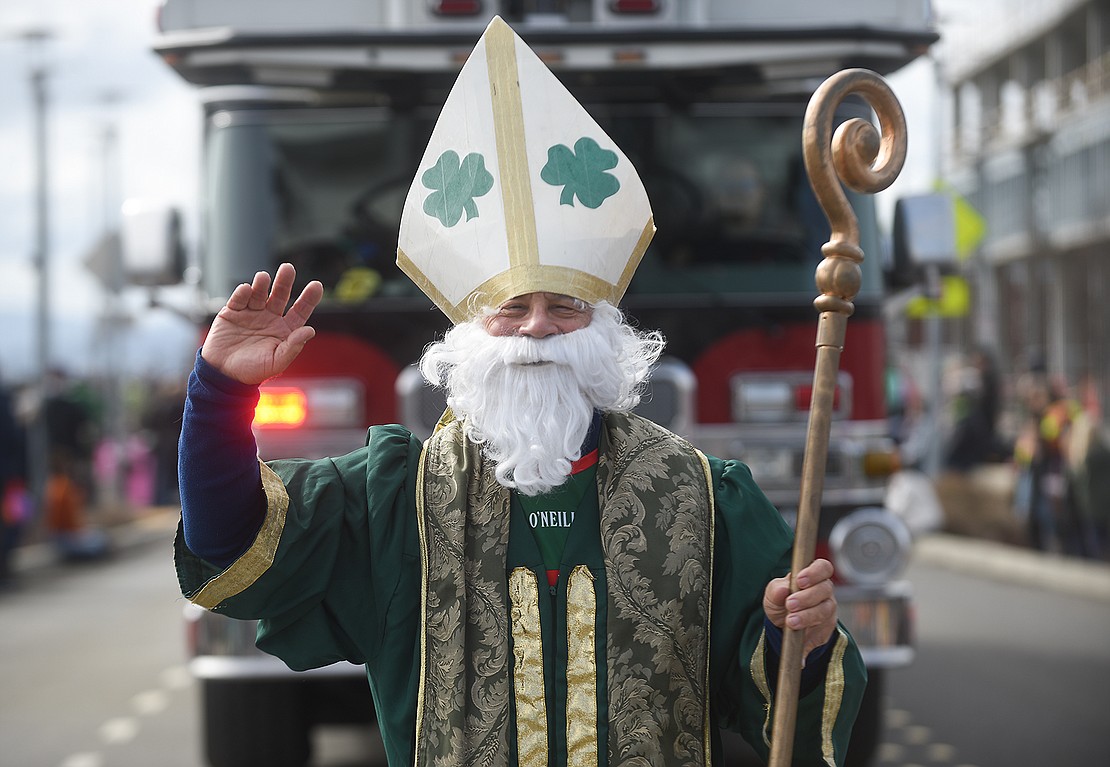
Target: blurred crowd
[
  {"x": 1062, "y": 458},
  {"x": 97, "y": 469},
  {"x": 1043, "y": 434}
]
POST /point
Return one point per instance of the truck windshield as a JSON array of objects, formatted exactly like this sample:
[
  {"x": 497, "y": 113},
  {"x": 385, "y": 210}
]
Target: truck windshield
[{"x": 324, "y": 190}]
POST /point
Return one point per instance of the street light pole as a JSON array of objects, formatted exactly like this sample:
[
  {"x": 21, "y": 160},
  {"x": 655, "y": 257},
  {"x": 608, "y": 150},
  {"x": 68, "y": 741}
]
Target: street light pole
[
  {"x": 39, "y": 443},
  {"x": 113, "y": 319}
]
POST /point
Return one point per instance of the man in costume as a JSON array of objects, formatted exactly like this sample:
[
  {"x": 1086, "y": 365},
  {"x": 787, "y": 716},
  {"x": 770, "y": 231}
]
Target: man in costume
[{"x": 549, "y": 579}]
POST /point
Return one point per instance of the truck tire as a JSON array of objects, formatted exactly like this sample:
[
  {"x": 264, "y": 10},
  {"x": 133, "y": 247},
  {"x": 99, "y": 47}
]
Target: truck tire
[
  {"x": 253, "y": 723},
  {"x": 868, "y": 729}
]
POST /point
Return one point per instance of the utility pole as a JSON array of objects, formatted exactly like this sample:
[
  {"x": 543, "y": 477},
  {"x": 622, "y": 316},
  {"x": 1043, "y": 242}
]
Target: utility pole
[
  {"x": 114, "y": 319},
  {"x": 39, "y": 439}
]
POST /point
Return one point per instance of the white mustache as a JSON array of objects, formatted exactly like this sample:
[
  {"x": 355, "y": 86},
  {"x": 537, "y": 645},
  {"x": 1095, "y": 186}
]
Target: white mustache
[{"x": 530, "y": 352}]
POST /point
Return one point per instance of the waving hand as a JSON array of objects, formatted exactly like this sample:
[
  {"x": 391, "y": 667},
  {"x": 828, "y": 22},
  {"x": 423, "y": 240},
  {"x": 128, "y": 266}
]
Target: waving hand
[{"x": 253, "y": 337}]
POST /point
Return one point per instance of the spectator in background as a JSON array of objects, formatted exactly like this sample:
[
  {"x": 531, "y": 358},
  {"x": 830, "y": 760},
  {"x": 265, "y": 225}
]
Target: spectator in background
[
  {"x": 974, "y": 394},
  {"x": 1041, "y": 498},
  {"x": 66, "y": 521},
  {"x": 14, "y": 503},
  {"x": 162, "y": 422},
  {"x": 990, "y": 402},
  {"x": 70, "y": 428},
  {"x": 1088, "y": 474}
]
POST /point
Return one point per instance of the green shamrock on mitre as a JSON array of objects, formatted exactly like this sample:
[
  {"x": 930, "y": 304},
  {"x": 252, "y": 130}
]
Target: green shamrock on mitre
[
  {"x": 582, "y": 172},
  {"x": 455, "y": 184}
]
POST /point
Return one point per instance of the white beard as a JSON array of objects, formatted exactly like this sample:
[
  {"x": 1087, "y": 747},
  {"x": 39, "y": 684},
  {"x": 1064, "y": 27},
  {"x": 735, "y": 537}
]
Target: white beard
[{"x": 530, "y": 402}]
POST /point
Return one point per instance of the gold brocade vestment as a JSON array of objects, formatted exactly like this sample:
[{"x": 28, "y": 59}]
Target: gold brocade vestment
[{"x": 480, "y": 699}]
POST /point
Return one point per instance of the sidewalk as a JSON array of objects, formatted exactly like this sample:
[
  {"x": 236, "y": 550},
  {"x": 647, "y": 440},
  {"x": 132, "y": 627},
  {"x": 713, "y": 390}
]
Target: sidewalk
[
  {"x": 1023, "y": 566},
  {"x": 151, "y": 525},
  {"x": 983, "y": 537}
]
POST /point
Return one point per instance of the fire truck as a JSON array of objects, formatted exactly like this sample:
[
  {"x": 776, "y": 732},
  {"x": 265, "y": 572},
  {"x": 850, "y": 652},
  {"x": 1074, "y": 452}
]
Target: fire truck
[{"x": 315, "y": 117}]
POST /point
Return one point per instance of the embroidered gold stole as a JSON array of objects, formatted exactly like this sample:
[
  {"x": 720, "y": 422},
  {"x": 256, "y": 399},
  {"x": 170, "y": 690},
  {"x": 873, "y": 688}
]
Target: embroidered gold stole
[{"x": 657, "y": 539}]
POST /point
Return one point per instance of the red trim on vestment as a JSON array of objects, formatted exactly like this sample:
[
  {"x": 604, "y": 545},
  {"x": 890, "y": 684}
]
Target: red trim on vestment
[{"x": 585, "y": 462}]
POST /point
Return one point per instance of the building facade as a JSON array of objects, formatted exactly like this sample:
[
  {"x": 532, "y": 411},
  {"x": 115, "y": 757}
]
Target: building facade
[{"x": 1030, "y": 150}]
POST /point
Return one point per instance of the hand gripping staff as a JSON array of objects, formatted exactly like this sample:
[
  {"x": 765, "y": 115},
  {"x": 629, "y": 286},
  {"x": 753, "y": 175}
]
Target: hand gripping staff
[{"x": 868, "y": 162}]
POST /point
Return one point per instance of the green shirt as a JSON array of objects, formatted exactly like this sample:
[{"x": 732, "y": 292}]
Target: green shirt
[{"x": 550, "y": 515}]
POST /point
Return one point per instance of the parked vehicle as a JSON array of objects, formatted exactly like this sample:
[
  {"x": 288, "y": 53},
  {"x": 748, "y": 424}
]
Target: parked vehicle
[{"x": 315, "y": 118}]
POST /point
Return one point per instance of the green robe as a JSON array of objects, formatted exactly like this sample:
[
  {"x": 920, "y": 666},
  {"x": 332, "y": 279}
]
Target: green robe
[{"x": 335, "y": 574}]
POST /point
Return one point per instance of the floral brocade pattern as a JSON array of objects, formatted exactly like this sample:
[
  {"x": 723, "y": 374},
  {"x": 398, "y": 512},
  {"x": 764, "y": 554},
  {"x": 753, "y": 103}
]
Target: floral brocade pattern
[
  {"x": 656, "y": 532},
  {"x": 465, "y": 696},
  {"x": 656, "y": 536}
]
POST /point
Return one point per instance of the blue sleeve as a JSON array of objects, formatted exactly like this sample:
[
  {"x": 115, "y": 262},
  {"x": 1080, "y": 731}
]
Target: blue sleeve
[
  {"x": 816, "y": 662},
  {"x": 222, "y": 501}
]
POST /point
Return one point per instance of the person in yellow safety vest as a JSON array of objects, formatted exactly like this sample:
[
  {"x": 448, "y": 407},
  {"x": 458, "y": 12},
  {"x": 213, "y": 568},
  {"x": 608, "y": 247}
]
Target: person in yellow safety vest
[{"x": 1040, "y": 457}]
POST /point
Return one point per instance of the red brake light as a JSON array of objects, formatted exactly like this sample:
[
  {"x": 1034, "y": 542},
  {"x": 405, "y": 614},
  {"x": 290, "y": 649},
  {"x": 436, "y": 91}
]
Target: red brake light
[
  {"x": 281, "y": 408},
  {"x": 456, "y": 7},
  {"x": 635, "y": 6}
]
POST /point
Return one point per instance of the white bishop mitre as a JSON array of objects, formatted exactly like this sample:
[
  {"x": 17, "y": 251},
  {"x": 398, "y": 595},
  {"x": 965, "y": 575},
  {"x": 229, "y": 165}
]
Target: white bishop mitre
[{"x": 520, "y": 191}]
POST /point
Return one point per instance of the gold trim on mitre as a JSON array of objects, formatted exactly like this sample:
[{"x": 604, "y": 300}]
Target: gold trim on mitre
[
  {"x": 520, "y": 191},
  {"x": 509, "y": 128}
]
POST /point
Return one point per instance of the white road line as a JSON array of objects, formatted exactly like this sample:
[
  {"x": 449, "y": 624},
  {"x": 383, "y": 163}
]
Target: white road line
[
  {"x": 891, "y": 753},
  {"x": 897, "y": 717},
  {"x": 85, "y": 759},
  {"x": 916, "y": 735},
  {"x": 907, "y": 740},
  {"x": 941, "y": 752},
  {"x": 176, "y": 678},
  {"x": 122, "y": 729},
  {"x": 150, "y": 702}
]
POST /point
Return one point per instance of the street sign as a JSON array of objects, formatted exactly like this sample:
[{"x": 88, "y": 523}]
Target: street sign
[
  {"x": 105, "y": 261},
  {"x": 954, "y": 301}
]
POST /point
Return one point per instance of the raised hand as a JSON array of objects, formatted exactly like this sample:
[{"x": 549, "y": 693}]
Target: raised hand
[{"x": 253, "y": 337}]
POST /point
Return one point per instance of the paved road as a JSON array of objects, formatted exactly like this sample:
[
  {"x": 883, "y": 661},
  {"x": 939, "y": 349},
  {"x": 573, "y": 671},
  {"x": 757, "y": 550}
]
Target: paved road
[
  {"x": 96, "y": 654},
  {"x": 1013, "y": 661}
]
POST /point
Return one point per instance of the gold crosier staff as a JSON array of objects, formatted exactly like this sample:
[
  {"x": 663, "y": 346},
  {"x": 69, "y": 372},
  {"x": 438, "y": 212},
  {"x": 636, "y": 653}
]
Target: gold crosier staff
[{"x": 868, "y": 162}]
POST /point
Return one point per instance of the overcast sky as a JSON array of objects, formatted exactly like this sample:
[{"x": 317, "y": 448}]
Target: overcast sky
[{"x": 102, "y": 73}]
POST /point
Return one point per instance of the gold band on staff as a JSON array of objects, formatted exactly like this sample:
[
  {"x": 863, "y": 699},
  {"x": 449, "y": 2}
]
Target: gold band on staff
[{"x": 867, "y": 161}]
